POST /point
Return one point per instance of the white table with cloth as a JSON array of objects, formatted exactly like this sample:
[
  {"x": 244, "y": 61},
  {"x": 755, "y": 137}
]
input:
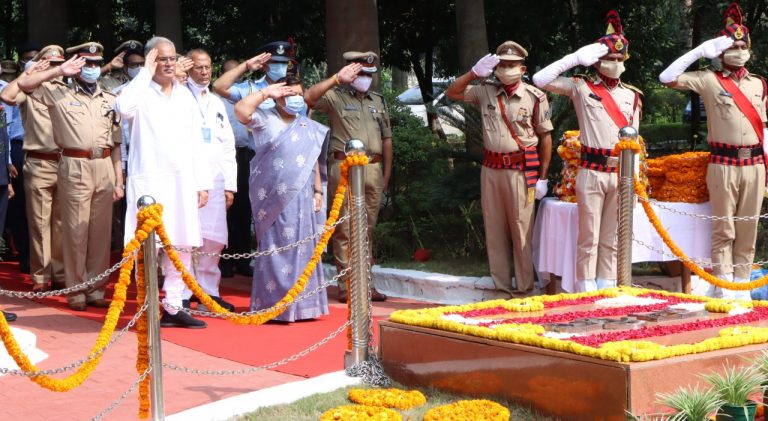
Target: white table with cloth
[{"x": 557, "y": 225}]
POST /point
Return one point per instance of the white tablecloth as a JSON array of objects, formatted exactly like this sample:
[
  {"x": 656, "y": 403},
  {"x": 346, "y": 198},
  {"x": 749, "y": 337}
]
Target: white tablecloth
[{"x": 556, "y": 230}]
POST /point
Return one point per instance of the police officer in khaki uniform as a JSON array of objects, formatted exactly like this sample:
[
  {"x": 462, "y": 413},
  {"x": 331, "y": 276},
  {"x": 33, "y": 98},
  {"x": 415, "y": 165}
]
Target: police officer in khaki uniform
[
  {"x": 41, "y": 163},
  {"x": 518, "y": 146},
  {"x": 603, "y": 105},
  {"x": 10, "y": 70},
  {"x": 355, "y": 112},
  {"x": 735, "y": 102},
  {"x": 118, "y": 71},
  {"x": 86, "y": 128}
]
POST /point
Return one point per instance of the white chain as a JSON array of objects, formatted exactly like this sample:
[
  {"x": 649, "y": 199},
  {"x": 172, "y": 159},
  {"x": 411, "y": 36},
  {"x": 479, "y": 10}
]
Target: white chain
[
  {"x": 89, "y": 358},
  {"x": 698, "y": 216},
  {"x": 79, "y": 287},
  {"x": 301, "y": 297},
  {"x": 305, "y": 352},
  {"x": 697, "y": 262},
  {"x": 270, "y": 252},
  {"x": 122, "y": 397}
]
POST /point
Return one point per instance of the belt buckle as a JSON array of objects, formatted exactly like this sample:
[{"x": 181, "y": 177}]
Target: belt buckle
[
  {"x": 97, "y": 153},
  {"x": 611, "y": 161},
  {"x": 506, "y": 160},
  {"x": 744, "y": 153}
]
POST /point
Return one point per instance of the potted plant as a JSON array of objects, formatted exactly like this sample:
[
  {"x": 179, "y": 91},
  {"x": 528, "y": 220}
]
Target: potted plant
[
  {"x": 761, "y": 363},
  {"x": 691, "y": 404},
  {"x": 734, "y": 387}
]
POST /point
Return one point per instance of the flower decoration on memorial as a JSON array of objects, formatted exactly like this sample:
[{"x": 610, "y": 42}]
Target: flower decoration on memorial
[
  {"x": 679, "y": 178},
  {"x": 618, "y": 324},
  {"x": 569, "y": 151},
  {"x": 479, "y": 409},
  {"x": 388, "y": 398},
  {"x": 360, "y": 413}
]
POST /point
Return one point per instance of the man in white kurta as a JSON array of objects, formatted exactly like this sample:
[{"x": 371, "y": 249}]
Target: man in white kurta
[
  {"x": 219, "y": 150},
  {"x": 166, "y": 162}
]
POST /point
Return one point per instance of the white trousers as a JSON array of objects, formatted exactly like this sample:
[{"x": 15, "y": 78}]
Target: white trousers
[
  {"x": 208, "y": 274},
  {"x": 173, "y": 285}
]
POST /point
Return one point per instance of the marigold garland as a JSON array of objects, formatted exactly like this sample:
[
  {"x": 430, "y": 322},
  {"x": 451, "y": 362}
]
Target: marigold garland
[
  {"x": 360, "y": 413},
  {"x": 725, "y": 306},
  {"x": 301, "y": 283},
  {"x": 388, "y": 398},
  {"x": 476, "y": 410},
  {"x": 142, "y": 356}
]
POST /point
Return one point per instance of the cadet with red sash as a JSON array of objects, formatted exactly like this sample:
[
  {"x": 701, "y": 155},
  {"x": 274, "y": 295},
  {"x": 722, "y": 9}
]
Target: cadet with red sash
[
  {"x": 735, "y": 104},
  {"x": 603, "y": 105},
  {"x": 516, "y": 127}
]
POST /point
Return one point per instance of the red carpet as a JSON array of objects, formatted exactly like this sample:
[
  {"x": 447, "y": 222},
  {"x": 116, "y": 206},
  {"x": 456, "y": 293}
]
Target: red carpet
[{"x": 252, "y": 345}]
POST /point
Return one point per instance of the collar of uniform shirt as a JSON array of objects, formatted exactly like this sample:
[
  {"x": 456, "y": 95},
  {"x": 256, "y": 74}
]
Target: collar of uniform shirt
[
  {"x": 609, "y": 82},
  {"x": 510, "y": 89},
  {"x": 740, "y": 72}
]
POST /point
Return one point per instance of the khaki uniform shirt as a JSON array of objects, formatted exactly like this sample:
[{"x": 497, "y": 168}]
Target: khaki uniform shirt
[
  {"x": 597, "y": 129},
  {"x": 352, "y": 117},
  {"x": 38, "y": 133},
  {"x": 79, "y": 120},
  {"x": 112, "y": 80},
  {"x": 527, "y": 109},
  {"x": 725, "y": 121}
]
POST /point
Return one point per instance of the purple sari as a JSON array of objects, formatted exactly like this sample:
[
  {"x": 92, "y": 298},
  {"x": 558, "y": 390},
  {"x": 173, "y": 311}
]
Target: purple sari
[{"x": 281, "y": 188}]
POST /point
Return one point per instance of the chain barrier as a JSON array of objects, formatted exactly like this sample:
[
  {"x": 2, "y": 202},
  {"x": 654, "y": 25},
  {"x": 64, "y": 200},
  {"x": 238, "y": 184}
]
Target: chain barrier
[
  {"x": 79, "y": 287},
  {"x": 699, "y": 216},
  {"x": 89, "y": 358},
  {"x": 696, "y": 261},
  {"x": 122, "y": 397},
  {"x": 302, "y": 296},
  {"x": 251, "y": 370},
  {"x": 270, "y": 252}
]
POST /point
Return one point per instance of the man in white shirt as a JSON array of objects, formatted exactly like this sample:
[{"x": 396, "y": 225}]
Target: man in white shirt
[
  {"x": 219, "y": 149},
  {"x": 166, "y": 162}
]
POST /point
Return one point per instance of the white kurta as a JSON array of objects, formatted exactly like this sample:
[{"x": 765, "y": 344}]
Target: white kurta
[
  {"x": 167, "y": 159},
  {"x": 219, "y": 151}
]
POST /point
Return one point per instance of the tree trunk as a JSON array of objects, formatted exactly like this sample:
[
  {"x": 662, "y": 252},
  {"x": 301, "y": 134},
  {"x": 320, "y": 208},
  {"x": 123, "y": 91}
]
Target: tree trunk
[
  {"x": 698, "y": 19},
  {"x": 399, "y": 79},
  {"x": 351, "y": 25},
  {"x": 105, "y": 33},
  {"x": 45, "y": 31},
  {"x": 471, "y": 35},
  {"x": 168, "y": 21}
]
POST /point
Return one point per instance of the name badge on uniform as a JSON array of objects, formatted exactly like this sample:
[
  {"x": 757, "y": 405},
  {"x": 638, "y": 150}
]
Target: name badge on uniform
[
  {"x": 350, "y": 107},
  {"x": 728, "y": 94},
  {"x": 75, "y": 104},
  {"x": 207, "y": 134},
  {"x": 593, "y": 96}
]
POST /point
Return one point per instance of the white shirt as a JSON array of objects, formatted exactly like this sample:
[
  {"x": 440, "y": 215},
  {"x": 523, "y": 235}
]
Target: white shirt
[{"x": 167, "y": 156}]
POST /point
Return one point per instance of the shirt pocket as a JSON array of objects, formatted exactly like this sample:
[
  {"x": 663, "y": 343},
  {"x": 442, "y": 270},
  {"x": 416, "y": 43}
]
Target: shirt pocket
[
  {"x": 594, "y": 110},
  {"x": 725, "y": 107},
  {"x": 352, "y": 116},
  {"x": 75, "y": 115},
  {"x": 759, "y": 103}
]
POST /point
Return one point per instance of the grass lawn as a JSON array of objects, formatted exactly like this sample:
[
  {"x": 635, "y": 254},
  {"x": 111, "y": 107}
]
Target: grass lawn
[
  {"x": 311, "y": 407},
  {"x": 468, "y": 266}
]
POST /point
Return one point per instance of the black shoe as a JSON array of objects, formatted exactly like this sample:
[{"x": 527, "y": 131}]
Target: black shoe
[
  {"x": 227, "y": 306},
  {"x": 181, "y": 319},
  {"x": 9, "y": 317}
]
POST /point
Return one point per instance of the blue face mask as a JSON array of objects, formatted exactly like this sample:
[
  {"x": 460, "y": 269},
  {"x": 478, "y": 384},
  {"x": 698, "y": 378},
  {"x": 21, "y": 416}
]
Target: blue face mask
[
  {"x": 294, "y": 104},
  {"x": 90, "y": 74},
  {"x": 277, "y": 71}
]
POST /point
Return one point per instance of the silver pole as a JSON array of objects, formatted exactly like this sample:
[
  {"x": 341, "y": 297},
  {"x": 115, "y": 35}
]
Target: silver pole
[
  {"x": 153, "y": 322},
  {"x": 626, "y": 205},
  {"x": 358, "y": 255}
]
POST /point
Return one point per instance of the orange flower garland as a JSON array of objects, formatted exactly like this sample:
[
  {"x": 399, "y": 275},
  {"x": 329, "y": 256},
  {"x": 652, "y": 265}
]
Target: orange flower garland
[
  {"x": 360, "y": 413},
  {"x": 479, "y": 409},
  {"x": 301, "y": 283},
  {"x": 388, "y": 398},
  {"x": 678, "y": 178},
  {"x": 142, "y": 356}
]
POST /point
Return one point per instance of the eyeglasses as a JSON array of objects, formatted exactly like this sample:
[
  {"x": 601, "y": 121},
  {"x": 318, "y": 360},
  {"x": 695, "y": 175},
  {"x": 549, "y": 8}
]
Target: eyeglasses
[
  {"x": 166, "y": 59},
  {"x": 134, "y": 64},
  {"x": 202, "y": 68}
]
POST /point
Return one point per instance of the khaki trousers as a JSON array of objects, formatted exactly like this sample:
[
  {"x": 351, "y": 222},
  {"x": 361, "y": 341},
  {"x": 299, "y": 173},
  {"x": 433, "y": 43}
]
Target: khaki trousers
[
  {"x": 84, "y": 193},
  {"x": 597, "y": 198},
  {"x": 374, "y": 186},
  {"x": 734, "y": 191},
  {"x": 508, "y": 221},
  {"x": 43, "y": 220}
]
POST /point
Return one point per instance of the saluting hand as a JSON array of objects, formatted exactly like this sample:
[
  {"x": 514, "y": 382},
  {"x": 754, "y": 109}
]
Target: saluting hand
[
  {"x": 590, "y": 54},
  {"x": 349, "y": 72},
  {"x": 150, "y": 61},
  {"x": 40, "y": 66},
  {"x": 256, "y": 63},
  {"x": 72, "y": 66},
  {"x": 117, "y": 62},
  {"x": 277, "y": 90},
  {"x": 714, "y": 47},
  {"x": 183, "y": 64}
]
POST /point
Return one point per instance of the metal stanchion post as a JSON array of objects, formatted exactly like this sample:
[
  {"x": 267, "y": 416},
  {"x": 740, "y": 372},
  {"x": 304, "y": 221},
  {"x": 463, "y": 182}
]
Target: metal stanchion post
[
  {"x": 153, "y": 322},
  {"x": 358, "y": 255},
  {"x": 626, "y": 207}
]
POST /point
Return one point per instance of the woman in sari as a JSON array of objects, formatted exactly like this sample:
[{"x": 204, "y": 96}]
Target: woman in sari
[{"x": 286, "y": 186}]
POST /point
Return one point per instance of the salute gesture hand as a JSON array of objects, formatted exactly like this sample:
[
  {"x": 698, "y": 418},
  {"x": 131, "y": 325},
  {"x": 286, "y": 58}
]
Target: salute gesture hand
[
  {"x": 72, "y": 66},
  {"x": 40, "y": 66},
  {"x": 349, "y": 72},
  {"x": 714, "y": 47},
  {"x": 277, "y": 90},
  {"x": 590, "y": 54},
  {"x": 183, "y": 64},
  {"x": 256, "y": 63},
  {"x": 117, "y": 62},
  {"x": 150, "y": 62},
  {"x": 484, "y": 67}
]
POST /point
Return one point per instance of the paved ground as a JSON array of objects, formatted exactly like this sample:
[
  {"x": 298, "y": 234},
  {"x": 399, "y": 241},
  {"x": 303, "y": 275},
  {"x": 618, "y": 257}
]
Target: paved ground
[{"x": 67, "y": 338}]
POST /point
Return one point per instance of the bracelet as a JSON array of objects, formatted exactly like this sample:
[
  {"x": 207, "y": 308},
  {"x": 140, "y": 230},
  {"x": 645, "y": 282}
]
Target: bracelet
[{"x": 337, "y": 79}]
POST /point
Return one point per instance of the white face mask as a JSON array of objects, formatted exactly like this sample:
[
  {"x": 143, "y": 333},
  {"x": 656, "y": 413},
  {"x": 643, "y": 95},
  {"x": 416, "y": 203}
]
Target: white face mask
[
  {"x": 362, "y": 83},
  {"x": 133, "y": 71},
  {"x": 509, "y": 75},
  {"x": 195, "y": 87},
  {"x": 612, "y": 69},
  {"x": 737, "y": 58}
]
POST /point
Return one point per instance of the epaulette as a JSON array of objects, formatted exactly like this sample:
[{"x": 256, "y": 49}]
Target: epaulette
[
  {"x": 109, "y": 93},
  {"x": 538, "y": 93},
  {"x": 376, "y": 93},
  {"x": 583, "y": 76},
  {"x": 490, "y": 82},
  {"x": 632, "y": 88}
]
